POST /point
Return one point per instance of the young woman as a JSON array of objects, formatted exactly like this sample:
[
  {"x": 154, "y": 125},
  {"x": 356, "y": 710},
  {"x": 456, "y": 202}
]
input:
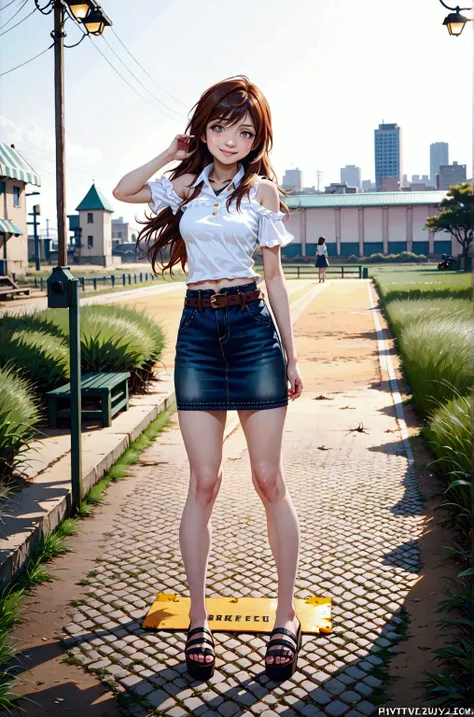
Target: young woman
[
  {"x": 322, "y": 260},
  {"x": 220, "y": 200}
]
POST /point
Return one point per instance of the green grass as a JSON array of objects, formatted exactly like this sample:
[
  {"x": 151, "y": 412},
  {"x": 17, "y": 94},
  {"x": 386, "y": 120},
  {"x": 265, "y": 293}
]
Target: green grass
[
  {"x": 421, "y": 283},
  {"x": 430, "y": 314},
  {"x": 404, "y": 313},
  {"x": 437, "y": 356},
  {"x": 19, "y": 413}
]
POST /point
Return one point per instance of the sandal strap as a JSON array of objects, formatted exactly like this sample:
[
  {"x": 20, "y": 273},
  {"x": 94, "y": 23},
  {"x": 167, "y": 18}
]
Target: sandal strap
[
  {"x": 195, "y": 630},
  {"x": 198, "y": 641},
  {"x": 280, "y": 652},
  {"x": 283, "y": 642},
  {"x": 283, "y": 631},
  {"x": 200, "y": 651}
]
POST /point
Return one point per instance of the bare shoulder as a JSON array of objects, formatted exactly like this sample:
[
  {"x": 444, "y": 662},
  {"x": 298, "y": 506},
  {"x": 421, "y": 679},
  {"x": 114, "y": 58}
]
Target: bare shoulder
[
  {"x": 267, "y": 195},
  {"x": 182, "y": 184}
]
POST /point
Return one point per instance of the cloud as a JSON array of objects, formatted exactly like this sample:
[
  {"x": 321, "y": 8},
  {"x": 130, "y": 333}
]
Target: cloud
[{"x": 33, "y": 135}]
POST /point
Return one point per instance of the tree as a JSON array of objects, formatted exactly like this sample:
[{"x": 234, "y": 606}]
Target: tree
[{"x": 456, "y": 215}]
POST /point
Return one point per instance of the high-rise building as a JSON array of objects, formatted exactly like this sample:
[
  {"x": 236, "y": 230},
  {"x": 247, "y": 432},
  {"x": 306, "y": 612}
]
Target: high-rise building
[
  {"x": 450, "y": 174},
  {"x": 292, "y": 179},
  {"x": 439, "y": 154},
  {"x": 388, "y": 153},
  {"x": 350, "y": 175}
]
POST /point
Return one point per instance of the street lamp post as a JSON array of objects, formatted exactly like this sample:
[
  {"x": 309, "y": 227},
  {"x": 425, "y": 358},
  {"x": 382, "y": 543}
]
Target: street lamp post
[
  {"x": 455, "y": 22},
  {"x": 63, "y": 287},
  {"x": 35, "y": 214}
]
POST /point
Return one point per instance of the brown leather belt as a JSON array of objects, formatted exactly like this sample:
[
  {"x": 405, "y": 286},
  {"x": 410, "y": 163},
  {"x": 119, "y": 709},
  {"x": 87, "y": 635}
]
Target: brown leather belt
[{"x": 220, "y": 301}]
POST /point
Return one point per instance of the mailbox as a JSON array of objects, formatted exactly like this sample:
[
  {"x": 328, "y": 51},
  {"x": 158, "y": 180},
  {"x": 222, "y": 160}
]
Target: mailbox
[{"x": 60, "y": 288}]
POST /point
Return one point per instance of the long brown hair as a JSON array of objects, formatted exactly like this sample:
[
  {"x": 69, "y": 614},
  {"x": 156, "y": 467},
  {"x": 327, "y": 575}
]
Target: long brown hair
[{"x": 230, "y": 100}]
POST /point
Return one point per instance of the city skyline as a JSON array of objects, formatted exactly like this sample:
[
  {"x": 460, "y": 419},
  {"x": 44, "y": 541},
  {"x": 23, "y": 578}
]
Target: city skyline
[{"x": 322, "y": 119}]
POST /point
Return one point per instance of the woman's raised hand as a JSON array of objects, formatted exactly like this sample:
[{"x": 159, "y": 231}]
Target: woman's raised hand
[{"x": 179, "y": 147}]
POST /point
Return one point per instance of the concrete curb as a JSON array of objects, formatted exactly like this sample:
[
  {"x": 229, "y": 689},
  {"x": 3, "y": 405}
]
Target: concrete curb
[{"x": 43, "y": 504}]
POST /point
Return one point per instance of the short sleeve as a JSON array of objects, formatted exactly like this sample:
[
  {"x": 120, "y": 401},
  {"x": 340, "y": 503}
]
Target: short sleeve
[
  {"x": 271, "y": 230},
  {"x": 163, "y": 195}
]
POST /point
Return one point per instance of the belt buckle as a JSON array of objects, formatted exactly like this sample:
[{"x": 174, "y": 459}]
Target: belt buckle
[{"x": 213, "y": 300}]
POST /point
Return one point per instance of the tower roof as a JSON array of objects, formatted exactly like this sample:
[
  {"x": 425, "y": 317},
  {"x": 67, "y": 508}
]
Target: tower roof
[{"x": 94, "y": 201}]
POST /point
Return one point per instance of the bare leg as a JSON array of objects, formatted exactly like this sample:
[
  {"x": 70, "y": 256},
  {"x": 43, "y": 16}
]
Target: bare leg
[
  {"x": 264, "y": 434},
  {"x": 202, "y": 433}
]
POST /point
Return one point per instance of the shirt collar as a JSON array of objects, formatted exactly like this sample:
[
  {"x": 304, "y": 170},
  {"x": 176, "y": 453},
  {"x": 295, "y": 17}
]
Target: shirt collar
[{"x": 204, "y": 176}]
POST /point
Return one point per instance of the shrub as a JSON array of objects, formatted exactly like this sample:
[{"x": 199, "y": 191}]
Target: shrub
[
  {"x": 407, "y": 312},
  {"x": 449, "y": 435},
  {"x": 114, "y": 338},
  {"x": 437, "y": 358},
  {"x": 41, "y": 357},
  {"x": 146, "y": 323},
  {"x": 403, "y": 258},
  {"x": 19, "y": 412}
]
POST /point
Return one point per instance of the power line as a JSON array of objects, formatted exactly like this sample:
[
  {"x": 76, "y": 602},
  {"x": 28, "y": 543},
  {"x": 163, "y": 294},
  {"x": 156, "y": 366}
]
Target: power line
[
  {"x": 146, "y": 72},
  {"x": 27, "y": 61},
  {"x": 8, "y": 5},
  {"x": 16, "y": 24},
  {"x": 139, "y": 81},
  {"x": 125, "y": 80},
  {"x": 14, "y": 15}
]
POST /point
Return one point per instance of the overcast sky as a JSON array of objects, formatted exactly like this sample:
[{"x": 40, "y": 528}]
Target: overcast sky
[{"x": 332, "y": 70}]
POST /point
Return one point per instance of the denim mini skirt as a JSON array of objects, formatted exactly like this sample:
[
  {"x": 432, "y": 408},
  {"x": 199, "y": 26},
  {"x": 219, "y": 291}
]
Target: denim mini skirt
[{"x": 229, "y": 358}]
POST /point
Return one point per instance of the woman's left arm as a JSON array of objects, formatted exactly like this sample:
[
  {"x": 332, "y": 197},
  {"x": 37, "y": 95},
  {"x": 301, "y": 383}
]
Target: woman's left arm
[{"x": 278, "y": 295}]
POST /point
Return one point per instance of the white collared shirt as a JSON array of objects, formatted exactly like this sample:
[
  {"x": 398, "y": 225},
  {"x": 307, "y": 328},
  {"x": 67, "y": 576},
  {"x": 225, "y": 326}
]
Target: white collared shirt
[{"x": 220, "y": 243}]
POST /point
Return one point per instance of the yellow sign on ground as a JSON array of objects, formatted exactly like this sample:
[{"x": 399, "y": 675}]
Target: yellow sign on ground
[{"x": 170, "y": 612}]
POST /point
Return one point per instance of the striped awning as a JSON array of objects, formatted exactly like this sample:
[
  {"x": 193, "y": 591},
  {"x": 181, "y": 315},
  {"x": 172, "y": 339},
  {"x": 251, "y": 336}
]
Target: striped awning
[
  {"x": 13, "y": 165},
  {"x": 7, "y": 227}
]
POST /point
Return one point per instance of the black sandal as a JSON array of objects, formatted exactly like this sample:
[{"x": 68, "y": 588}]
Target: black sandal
[
  {"x": 200, "y": 670},
  {"x": 284, "y": 670}
]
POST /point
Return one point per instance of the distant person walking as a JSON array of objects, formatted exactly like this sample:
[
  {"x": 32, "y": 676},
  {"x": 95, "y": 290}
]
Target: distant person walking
[{"x": 322, "y": 260}]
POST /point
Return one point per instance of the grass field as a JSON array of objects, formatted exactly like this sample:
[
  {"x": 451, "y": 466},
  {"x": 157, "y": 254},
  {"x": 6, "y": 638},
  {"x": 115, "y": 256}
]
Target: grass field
[{"x": 430, "y": 314}]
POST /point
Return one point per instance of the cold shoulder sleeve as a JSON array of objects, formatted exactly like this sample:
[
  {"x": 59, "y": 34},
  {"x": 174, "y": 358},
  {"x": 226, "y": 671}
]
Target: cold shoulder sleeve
[
  {"x": 271, "y": 230},
  {"x": 163, "y": 195}
]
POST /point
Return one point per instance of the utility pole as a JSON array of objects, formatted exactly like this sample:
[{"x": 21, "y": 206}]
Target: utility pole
[
  {"x": 319, "y": 174},
  {"x": 58, "y": 36},
  {"x": 47, "y": 243},
  {"x": 35, "y": 214},
  {"x": 63, "y": 288}
]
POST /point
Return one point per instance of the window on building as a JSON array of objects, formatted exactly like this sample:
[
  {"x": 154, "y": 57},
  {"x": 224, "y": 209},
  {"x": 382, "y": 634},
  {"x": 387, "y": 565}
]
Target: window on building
[
  {"x": 90, "y": 242},
  {"x": 90, "y": 217},
  {"x": 16, "y": 196}
]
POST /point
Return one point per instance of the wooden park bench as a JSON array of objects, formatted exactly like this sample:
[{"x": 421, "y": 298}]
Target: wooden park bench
[
  {"x": 8, "y": 287},
  {"x": 110, "y": 388}
]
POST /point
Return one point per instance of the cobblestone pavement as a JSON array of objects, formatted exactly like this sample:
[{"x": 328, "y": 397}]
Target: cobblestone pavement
[{"x": 361, "y": 517}]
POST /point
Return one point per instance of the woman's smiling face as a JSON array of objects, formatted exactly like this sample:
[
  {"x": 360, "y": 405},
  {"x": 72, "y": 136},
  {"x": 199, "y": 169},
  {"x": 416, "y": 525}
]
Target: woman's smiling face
[{"x": 230, "y": 143}]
